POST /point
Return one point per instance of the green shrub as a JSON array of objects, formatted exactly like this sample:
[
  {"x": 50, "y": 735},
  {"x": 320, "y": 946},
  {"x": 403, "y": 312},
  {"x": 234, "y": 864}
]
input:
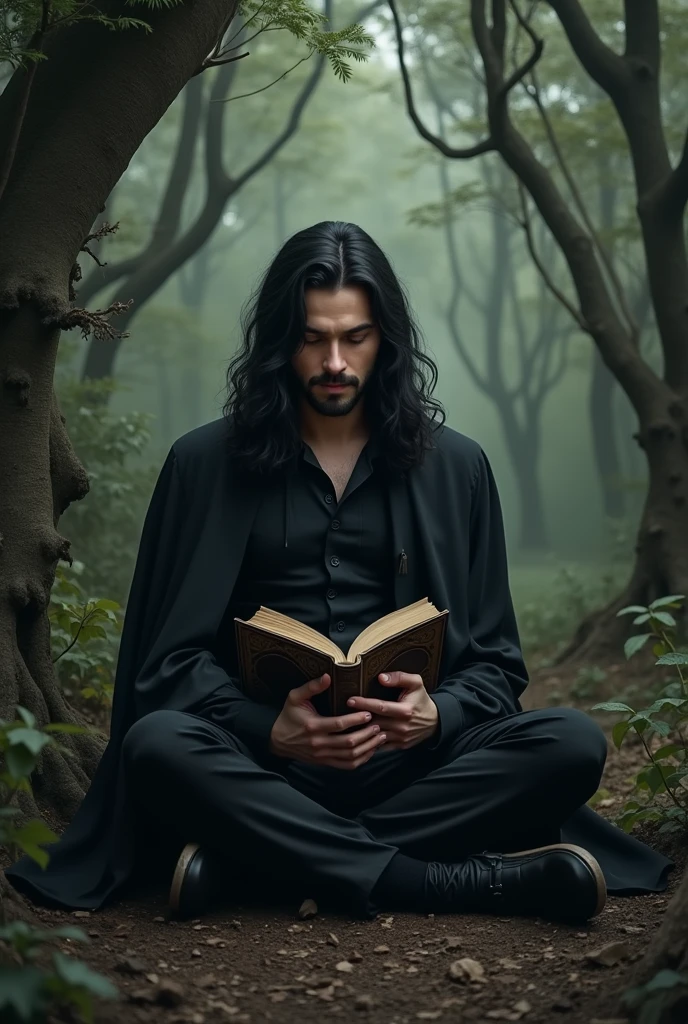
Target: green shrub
[
  {"x": 28, "y": 991},
  {"x": 84, "y": 634},
  {"x": 665, "y": 775}
]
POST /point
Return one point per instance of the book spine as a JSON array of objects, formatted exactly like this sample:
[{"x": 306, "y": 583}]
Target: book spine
[{"x": 346, "y": 682}]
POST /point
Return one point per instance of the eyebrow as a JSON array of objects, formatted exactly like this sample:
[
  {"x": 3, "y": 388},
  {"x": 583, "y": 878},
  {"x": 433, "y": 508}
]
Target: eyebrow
[{"x": 352, "y": 330}]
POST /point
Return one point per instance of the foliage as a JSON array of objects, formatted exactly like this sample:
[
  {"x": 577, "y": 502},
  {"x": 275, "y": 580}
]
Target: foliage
[
  {"x": 84, "y": 635},
  {"x": 547, "y": 618},
  {"x": 105, "y": 528},
  {"x": 304, "y": 23},
  {"x": 666, "y": 772},
  {"x": 24, "y": 20},
  {"x": 656, "y": 996},
  {"x": 27, "y": 991}
]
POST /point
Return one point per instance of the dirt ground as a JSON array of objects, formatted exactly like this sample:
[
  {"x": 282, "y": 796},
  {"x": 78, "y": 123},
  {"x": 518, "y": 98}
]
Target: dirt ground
[{"x": 250, "y": 962}]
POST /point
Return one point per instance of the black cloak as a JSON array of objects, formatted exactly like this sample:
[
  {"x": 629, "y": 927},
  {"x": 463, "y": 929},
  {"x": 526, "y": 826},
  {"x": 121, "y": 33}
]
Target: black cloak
[{"x": 445, "y": 516}]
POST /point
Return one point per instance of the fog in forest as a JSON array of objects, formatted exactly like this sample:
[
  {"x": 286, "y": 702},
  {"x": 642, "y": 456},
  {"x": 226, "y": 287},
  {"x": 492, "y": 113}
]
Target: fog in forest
[{"x": 515, "y": 370}]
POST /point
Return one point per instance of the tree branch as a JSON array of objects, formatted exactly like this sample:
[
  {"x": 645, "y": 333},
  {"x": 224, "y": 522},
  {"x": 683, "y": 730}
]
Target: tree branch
[
  {"x": 486, "y": 146},
  {"x": 169, "y": 215},
  {"x": 605, "y": 67},
  {"x": 541, "y": 268}
]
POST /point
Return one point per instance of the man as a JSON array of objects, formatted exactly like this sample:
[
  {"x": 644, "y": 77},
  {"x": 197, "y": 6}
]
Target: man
[{"x": 331, "y": 491}]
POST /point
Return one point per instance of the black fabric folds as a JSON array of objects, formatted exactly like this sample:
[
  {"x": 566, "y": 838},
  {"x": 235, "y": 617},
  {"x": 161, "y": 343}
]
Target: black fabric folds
[{"x": 445, "y": 515}]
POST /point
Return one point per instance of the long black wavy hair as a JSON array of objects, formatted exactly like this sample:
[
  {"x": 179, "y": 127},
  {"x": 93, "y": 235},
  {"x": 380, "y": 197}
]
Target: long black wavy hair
[{"x": 262, "y": 392}]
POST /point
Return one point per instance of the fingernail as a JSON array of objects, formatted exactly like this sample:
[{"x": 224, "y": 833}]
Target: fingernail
[
  {"x": 351, "y": 702},
  {"x": 384, "y": 677},
  {"x": 368, "y": 715}
]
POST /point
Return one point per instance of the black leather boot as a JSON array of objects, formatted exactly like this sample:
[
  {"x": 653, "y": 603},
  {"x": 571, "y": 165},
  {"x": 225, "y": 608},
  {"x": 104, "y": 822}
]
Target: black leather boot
[
  {"x": 194, "y": 883},
  {"x": 559, "y": 882}
]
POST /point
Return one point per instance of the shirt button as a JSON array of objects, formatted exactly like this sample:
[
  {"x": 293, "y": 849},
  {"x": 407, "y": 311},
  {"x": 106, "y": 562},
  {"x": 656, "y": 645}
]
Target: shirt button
[
  {"x": 341, "y": 626},
  {"x": 329, "y": 499},
  {"x": 334, "y": 560},
  {"x": 335, "y": 524},
  {"x": 331, "y": 594}
]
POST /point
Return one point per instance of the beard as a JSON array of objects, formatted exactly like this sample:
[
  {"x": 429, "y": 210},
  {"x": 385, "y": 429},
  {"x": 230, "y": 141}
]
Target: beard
[{"x": 336, "y": 404}]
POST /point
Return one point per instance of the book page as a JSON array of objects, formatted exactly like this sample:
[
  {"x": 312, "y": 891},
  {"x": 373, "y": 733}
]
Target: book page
[
  {"x": 284, "y": 625},
  {"x": 389, "y": 625}
]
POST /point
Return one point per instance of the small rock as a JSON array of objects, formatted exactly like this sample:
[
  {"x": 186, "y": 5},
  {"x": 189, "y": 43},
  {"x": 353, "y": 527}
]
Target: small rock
[
  {"x": 381, "y": 949},
  {"x": 81, "y": 913},
  {"x": 141, "y": 995},
  {"x": 453, "y": 942},
  {"x": 130, "y": 965},
  {"x": 364, "y": 1002},
  {"x": 153, "y": 978},
  {"x": 467, "y": 970},
  {"x": 159, "y": 919},
  {"x": 429, "y": 1014},
  {"x": 215, "y": 941},
  {"x": 195, "y": 952},
  {"x": 355, "y": 957},
  {"x": 609, "y": 954},
  {"x": 332, "y": 939},
  {"x": 309, "y": 908},
  {"x": 629, "y": 929},
  {"x": 344, "y": 966},
  {"x": 562, "y": 1005},
  {"x": 94, "y": 935},
  {"x": 235, "y": 923},
  {"x": 169, "y": 993}
]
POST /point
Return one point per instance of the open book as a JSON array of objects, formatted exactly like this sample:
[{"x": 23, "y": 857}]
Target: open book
[{"x": 277, "y": 653}]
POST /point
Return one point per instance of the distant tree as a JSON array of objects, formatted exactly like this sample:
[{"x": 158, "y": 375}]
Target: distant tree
[
  {"x": 508, "y": 46},
  {"x": 513, "y": 347}
]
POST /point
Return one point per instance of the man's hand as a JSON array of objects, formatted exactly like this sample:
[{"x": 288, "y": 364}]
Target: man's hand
[
  {"x": 301, "y": 734},
  {"x": 406, "y": 721}
]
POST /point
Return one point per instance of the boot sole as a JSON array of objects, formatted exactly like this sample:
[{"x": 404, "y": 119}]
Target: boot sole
[
  {"x": 179, "y": 876},
  {"x": 587, "y": 859}
]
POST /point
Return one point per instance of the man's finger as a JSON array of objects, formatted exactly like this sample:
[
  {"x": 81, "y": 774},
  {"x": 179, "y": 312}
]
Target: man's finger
[
  {"x": 406, "y": 679},
  {"x": 388, "y": 708}
]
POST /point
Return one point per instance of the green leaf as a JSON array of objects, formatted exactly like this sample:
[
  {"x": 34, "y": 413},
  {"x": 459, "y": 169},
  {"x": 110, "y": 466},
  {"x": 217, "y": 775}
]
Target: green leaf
[
  {"x": 674, "y": 600},
  {"x": 21, "y": 993},
  {"x": 612, "y": 705},
  {"x": 618, "y": 733},
  {"x": 68, "y": 727},
  {"x": 26, "y": 716},
  {"x": 34, "y": 833},
  {"x": 665, "y": 618},
  {"x": 645, "y": 617},
  {"x": 673, "y": 658},
  {"x": 666, "y": 702},
  {"x": 75, "y": 972},
  {"x": 20, "y": 761},
  {"x": 669, "y": 750},
  {"x": 32, "y": 739},
  {"x": 632, "y": 609},
  {"x": 635, "y": 643}
]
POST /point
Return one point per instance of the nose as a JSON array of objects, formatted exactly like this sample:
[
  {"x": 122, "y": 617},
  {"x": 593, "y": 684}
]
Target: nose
[{"x": 334, "y": 361}]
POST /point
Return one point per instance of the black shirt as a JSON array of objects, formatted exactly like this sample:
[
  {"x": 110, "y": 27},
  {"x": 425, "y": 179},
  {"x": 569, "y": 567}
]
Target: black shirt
[{"x": 328, "y": 564}]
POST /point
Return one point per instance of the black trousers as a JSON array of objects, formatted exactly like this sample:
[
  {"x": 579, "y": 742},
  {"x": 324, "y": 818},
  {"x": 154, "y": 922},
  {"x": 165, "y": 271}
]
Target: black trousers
[{"x": 504, "y": 786}]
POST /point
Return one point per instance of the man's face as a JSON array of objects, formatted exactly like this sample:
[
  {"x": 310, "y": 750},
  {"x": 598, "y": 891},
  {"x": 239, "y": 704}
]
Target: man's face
[{"x": 339, "y": 349}]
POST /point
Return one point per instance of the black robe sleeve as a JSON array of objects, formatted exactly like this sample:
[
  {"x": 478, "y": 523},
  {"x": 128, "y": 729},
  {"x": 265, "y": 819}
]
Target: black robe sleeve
[{"x": 489, "y": 675}]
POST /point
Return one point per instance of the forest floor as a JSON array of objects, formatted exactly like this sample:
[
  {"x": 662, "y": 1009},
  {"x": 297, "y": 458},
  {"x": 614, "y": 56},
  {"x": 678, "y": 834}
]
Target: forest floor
[{"x": 251, "y": 962}]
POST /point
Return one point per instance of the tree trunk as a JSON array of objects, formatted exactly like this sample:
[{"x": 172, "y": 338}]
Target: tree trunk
[
  {"x": 669, "y": 951},
  {"x": 523, "y": 445},
  {"x": 604, "y": 437},
  {"x": 74, "y": 144},
  {"x": 41, "y": 476},
  {"x": 661, "y": 564}
]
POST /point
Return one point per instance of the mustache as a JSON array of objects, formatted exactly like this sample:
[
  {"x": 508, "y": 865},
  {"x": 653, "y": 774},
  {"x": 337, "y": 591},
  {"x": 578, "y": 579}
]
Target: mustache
[{"x": 326, "y": 378}]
